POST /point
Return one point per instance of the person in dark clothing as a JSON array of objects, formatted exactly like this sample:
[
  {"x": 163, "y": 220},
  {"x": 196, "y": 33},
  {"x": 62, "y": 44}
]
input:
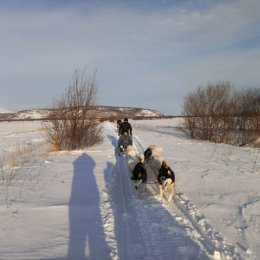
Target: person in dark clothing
[
  {"x": 118, "y": 123},
  {"x": 125, "y": 127},
  {"x": 139, "y": 173},
  {"x": 124, "y": 141},
  {"x": 165, "y": 172}
]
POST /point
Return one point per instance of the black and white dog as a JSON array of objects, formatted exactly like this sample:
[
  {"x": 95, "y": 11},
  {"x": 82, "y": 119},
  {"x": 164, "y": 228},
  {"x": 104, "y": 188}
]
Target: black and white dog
[{"x": 136, "y": 167}]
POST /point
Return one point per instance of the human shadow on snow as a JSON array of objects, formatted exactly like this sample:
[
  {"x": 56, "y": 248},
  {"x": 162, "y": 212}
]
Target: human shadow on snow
[{"x": 86, "y": 235}]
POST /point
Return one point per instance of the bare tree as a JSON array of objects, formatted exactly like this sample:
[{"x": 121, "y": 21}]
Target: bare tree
[
  {"x": 205, "y": 111},
  {"x": 72, "y": 124},
  {"x": 217, "y": 114},
  {"x": 246, "y": 107}
]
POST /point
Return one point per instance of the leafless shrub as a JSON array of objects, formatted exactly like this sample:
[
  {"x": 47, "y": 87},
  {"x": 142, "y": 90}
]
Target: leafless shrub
[
  {"x": 21, "y": 154},
  {"x": 72, "y": 124},
  {"x": 15, "y": 168},
  {"x": 112, "y": 118},
  {"x": 205, "y": 111},
  {"x": 8, "y": 175},
  {"x": 2, "y": 163},
  {"x": 246, "y": 108},
  {"x": 217, "y": 114}
]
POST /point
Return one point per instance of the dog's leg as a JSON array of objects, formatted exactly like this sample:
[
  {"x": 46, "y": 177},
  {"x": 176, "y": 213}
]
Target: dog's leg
[
  {"x": 171, "y": 192},
  {"x": 138, "y": 184},
  {"x": 161, "y": 192}
]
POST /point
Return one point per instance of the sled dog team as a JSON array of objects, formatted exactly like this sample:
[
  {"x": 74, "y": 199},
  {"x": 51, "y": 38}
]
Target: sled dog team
[{"x": 138, "y": 163}]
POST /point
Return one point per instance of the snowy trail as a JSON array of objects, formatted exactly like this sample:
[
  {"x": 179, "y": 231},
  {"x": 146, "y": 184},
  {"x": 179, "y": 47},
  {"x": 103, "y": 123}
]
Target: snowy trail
[
  {"x": 129, "y": 237},
  {"x": 202, "y": 232},
  {"x": 142, "y": 221},
  {"x": 184, "y": 215}
]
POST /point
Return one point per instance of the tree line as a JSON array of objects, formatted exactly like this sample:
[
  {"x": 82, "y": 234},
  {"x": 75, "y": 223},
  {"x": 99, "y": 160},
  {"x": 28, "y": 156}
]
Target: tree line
[
  {"x": 218, "y": 113},
  {"x": 214, "y": 112}
]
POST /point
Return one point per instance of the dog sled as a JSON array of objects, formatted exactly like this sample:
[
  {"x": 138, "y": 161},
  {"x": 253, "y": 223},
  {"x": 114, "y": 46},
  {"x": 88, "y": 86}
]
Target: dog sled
[{"x": 123, "y": 142}]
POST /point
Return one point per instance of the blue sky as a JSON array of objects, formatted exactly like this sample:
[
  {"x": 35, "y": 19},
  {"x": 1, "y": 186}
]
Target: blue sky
[{"x": 147, "y": 53}]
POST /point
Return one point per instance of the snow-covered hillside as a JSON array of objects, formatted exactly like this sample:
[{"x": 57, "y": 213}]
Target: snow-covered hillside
[
  {"x": 81, "y": 204},
  {"x": 100, "y": 112}
]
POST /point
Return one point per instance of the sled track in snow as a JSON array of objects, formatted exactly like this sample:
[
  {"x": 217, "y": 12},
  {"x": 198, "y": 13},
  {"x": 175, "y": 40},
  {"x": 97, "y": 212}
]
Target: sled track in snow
[
  {"x": 128, "y": 232},
  {"x": 184, "y": 210},
  {"x": 139, "y": 230}
]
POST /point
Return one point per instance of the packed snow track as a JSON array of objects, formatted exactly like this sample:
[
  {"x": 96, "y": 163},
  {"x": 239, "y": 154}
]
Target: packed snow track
[{"x": 141, "y": 218}]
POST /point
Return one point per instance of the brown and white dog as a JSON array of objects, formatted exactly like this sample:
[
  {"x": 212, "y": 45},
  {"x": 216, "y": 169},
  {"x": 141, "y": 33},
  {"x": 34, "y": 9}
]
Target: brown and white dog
[
  {"x": 132, "y": 159},
  {"x": 167, "y": 187}
]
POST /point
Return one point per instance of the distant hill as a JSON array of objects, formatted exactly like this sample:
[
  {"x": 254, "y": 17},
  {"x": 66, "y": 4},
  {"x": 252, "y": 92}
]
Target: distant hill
[{"x": 100, "y": 112}]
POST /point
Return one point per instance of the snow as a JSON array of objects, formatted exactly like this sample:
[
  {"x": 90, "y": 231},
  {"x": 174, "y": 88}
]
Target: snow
[
  {"x": 32, "y": 114},
  {"x": 81, "y": 204}
]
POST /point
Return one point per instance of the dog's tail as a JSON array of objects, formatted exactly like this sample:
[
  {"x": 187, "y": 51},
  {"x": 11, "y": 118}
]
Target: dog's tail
[{"x": 155, "y": 149}]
